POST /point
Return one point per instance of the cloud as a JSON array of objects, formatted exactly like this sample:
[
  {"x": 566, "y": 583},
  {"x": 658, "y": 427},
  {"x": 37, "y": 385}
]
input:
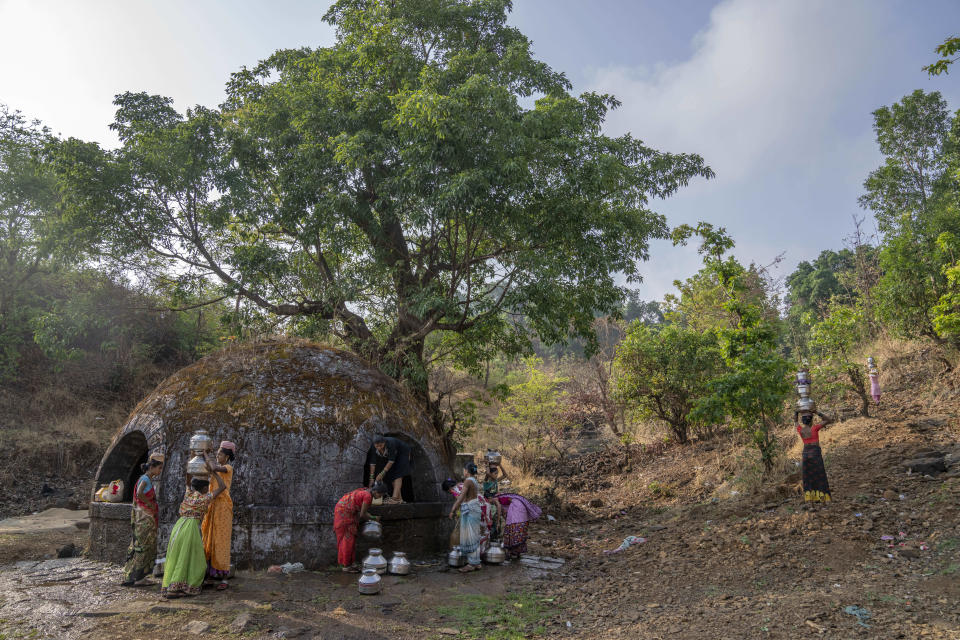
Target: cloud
[{"x": 772, "y": 98}]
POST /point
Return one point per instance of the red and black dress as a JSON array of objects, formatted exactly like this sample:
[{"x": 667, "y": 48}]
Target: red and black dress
[{"x": 814, "y": 474}]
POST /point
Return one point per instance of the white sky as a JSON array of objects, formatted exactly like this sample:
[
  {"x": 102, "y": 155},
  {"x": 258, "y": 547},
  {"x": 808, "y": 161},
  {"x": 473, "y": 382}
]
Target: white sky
[{"x": 775, "y": 94}]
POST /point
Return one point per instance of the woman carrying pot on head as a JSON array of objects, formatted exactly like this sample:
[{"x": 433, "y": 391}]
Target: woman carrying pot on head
[
  {"x": 217, "y": 526},
  {"x": 519, "y": 513},
  {"x": 351, "y": 509},
  {"x": 474, "y": 519},
  {"x": 144, "y": 519},
  {"x": 814, "y": 474},
  {"x": 186, "y": 561}
]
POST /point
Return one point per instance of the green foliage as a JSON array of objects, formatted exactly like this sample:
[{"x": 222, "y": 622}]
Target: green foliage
[
  {"x": 394, "y": 185},
  {"x": 834, "y": 343},
  {"x": 529, "y": 419},
  {"x": 664, "y": 371},
  {"x": 946, "y": 313},
  {"x": 914, "y": 198},
  {"x": 947, "y": 51},
  {"x": 751, "y": 389}
]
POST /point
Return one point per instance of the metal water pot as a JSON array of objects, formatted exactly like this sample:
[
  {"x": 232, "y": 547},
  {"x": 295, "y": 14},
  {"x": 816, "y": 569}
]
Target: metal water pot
[
  {"x": 399, "y": 565},
  {"x": 375, "y": 561},
  {"x": 803, "y": 390},
  {"x": 803, "y": 377},
  {"x": 806, "y": 404},
  {"x": 456, "y": 558},
  {"x": 372, "y": 530},
  {"x": 196, "y": 466},
  {"x": 369, "y": 583},
  {"x": 495, "y": 554},
  {"x": 201, "y": 441},
  {"x": 493, "y": 457}
]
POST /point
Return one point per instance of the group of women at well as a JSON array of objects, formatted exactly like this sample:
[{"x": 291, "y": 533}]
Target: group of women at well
[{"x": 199, "y": 547}]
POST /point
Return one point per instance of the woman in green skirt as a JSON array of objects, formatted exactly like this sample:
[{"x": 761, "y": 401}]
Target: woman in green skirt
[{"x": 186, "y": 563}]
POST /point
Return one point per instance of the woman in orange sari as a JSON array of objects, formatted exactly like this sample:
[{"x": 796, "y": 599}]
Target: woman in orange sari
[{"x": 217, "y": 527}]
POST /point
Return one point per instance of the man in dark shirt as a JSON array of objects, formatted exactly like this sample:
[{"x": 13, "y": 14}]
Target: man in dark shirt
[{"x": 397, "y": 454}]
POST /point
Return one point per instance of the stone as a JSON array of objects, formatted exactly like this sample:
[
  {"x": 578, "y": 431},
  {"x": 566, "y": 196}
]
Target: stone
[
  {"x": 447, "y": 631},
  {"x": 68, "y": 551},
  {"x": 925, "y": 465},
  {"x": 314, "y": 407},
  {"x": 595, "y": 502},
  {"x": 240, "y": 623},
  {"x": 197, "y": 627}
]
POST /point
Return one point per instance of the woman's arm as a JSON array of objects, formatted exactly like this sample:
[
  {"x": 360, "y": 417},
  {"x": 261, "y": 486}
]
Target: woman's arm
[
  {"x": 383, "y": 473},
  {"x": 826, "y": 419},
  {"x": 220, "y": 485},
  {"x": 363, "y": 511},
  {"x": 456, "y": 505}
]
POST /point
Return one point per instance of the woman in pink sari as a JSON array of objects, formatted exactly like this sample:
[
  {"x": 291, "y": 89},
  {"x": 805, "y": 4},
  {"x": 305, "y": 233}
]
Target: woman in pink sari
[{"x": 520, "y": 512}]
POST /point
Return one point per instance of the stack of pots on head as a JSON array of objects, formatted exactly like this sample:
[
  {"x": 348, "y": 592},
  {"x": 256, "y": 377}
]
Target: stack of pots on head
[
  {"x": 200, "y": 443},
  {"x": 805, "y": 403},
  {"x": 872, "y": 366}
]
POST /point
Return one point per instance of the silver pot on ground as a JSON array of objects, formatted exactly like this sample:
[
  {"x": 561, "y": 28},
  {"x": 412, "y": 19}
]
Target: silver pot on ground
[
  {"x": 495, "y": 554},
  {"x": 399, "y": 565},
  {"x": 375, "y": 561},
  {"x": 369, "y": 583},
  {"x": 456, "y": 557}
]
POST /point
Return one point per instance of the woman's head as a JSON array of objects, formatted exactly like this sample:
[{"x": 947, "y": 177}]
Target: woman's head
[
  {"x": 470, "y": 469},
  {"x": 200, "y": 485},
  {"x": 227, "y": 452},
  {"x": 154, "y": 465},
  {"x": 379, "y": 490},
  {"x": 380, "y": 443},
  {"x": 806, "y": 418},
  {"x": 448, "y": 484}
]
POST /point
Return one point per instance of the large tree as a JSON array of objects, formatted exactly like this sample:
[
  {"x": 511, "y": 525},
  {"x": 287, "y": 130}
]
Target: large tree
[
  {"x": 914, "y": 197},
  {"x": 423, "y": 175}
]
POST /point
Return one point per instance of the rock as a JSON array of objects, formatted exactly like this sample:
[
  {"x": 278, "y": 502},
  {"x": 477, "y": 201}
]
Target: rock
[
  {"x": 889, "y": 494},
  {"x": 197, "y": 627},
  {"x": 68, "y": 551},
  {"x": 924, "y": 465},
  {"x": 597, "y": 502},
  {"x": 656, "y": 527},
  {"x": 447, "y": 631},
  {"x": 908, "y": 553},
  {"x": 240, "y": 623}
]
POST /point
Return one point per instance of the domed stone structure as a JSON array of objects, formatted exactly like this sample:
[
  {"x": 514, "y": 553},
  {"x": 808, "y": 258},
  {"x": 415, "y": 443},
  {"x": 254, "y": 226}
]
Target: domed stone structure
[{"x": 303, "y": 417}]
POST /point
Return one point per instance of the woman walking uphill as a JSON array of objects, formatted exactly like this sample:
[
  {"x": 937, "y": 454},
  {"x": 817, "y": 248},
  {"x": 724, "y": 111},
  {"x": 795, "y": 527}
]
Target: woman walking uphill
[
  {"x": 814, "y": 474},
  {"x": 144, "y": 519},
  {"x": 217, "y": 526},
  {"x": 186, "y": 562},
  {"x": 350, "y": 510}
]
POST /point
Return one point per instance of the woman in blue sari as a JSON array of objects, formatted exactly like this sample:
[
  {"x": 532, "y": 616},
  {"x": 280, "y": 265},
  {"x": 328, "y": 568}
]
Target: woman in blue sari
[{"x": 474, "y": 520}]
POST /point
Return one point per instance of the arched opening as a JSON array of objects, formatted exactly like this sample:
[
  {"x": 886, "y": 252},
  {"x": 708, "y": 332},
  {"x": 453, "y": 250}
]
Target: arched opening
[
  {"x": 420, "y": 485},
  {"x": 123, "y": 462}
]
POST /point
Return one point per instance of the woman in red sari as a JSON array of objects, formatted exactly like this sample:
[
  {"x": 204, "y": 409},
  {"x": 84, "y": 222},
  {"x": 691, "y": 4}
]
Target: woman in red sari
[{"x": 350, "y": 510}]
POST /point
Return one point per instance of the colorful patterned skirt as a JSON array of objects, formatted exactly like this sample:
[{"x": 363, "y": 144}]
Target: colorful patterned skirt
[
  {"x": 186, "y": 562},
  {"x": 515, "y": 538},
  {"x": 815, "y": 485},
  {"x": 142, "y": 551}
]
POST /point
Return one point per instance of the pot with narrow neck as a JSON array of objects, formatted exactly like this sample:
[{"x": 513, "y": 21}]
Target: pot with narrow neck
[
  {"x": 369, "y": 583},
  {"x": 375, "y": 561},
  {"x": 399, "y": 565}
]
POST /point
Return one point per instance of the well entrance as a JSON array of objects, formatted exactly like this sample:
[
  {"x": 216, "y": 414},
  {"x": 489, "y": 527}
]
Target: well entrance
[{"x": 303, "y": 417}]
